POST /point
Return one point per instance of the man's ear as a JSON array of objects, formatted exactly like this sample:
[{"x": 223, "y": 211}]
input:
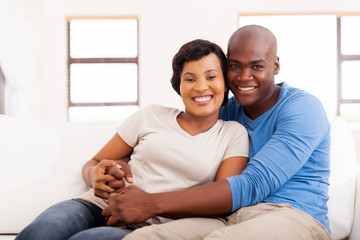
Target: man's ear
[{"x": 276, "y": 65}]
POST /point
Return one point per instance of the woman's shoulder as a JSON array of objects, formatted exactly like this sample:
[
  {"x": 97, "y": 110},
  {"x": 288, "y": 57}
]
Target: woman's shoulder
[
  {"x": 159, "y": 111},
  {"x": 158, "y": 108},
  {"x": 232, "y": 125}
]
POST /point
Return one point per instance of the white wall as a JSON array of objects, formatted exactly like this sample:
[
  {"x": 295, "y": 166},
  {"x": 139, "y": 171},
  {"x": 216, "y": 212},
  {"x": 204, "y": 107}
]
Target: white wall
[{"x": 164, "y": 25}]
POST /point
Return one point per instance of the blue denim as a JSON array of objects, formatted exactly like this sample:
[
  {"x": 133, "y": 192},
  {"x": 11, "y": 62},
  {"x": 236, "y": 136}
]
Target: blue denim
[{"x": 72, "y": 219}]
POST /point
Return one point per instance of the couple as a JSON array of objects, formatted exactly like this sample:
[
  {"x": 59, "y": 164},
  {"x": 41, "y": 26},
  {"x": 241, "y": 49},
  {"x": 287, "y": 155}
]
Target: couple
[{"x": 280, "y": 194}]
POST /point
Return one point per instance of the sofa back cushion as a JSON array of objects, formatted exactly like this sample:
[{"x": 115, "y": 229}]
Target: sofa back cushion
[{"x": 41, "y": 165}]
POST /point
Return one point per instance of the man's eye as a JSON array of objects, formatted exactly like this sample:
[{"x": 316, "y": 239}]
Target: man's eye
[
  {"x": 234, "y": 66},
  {"x": 257, "y": 67}
]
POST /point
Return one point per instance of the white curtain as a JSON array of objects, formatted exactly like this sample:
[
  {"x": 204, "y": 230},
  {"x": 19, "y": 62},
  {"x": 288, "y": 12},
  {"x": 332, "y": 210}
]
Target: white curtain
[{"x": 12, "y": 56}]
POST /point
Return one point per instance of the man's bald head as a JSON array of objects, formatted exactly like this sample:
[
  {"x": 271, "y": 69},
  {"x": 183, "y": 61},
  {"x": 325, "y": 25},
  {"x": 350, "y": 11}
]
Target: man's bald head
[{"x": 257, "y": 32}]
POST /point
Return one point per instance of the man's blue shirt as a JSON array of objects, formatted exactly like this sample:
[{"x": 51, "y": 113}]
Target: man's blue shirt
[{"x": 289, "y": 159}]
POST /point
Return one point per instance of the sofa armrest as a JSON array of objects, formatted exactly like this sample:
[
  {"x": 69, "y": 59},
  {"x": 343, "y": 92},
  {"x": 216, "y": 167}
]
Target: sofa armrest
[
  {"x": 355, "y": 232},
  {"x": 343, "y": 177}
]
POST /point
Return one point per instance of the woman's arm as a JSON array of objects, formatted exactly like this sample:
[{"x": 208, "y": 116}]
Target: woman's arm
[
  {"x": 103, "y": 173},
  {"x": 231, "y": 167}
]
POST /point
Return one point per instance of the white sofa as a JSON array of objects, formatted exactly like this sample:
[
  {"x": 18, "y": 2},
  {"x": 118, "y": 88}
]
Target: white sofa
[{"x": 41, "y": 165}]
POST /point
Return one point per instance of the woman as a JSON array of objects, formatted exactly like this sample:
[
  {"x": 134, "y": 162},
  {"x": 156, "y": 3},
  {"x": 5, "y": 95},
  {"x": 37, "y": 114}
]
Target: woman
[{"x": 170, "y": 150}]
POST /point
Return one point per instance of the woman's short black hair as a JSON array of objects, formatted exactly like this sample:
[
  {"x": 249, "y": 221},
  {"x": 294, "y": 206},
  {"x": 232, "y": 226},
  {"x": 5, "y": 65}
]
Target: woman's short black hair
[{"x": 195, "y": 50}]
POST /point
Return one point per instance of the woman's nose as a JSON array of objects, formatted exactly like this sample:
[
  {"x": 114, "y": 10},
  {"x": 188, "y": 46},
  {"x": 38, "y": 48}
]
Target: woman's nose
[{"x": 201, "y": 85}]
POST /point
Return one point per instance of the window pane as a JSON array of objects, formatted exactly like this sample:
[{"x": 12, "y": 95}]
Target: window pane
[
  {"x": 108, "y": 114},
  {"x": 103, "y": 82},
  {"x": 103, "y": 38},
  {"x": 350, "y": 79},
  {"x": 350, "y": 35},
  {"x": 351, "y": 111},
  {"x": 307, "y": 52}
]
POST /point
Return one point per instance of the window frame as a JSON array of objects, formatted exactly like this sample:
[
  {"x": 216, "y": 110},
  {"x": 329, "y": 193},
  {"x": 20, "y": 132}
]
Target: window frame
[
  {"x": 340, "y": 57},
  {"x": 71, "y": 60}
]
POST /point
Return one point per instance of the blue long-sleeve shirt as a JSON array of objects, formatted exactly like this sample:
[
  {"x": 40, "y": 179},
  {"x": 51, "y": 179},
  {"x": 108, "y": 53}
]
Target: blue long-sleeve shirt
[{"x": 289, "y": 154}]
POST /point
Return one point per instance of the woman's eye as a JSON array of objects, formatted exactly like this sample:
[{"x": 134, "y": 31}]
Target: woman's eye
[
  {"x": 211, "y": 77},
  {"x": 189, "y": 80}
]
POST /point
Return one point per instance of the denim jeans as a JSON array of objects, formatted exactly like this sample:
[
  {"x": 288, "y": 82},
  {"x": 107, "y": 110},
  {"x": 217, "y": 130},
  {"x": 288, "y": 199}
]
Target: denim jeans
[{"x": 72, "y": 219}]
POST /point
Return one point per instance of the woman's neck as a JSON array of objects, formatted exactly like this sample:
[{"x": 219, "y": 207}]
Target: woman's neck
[{"x": 194, "y": 125}]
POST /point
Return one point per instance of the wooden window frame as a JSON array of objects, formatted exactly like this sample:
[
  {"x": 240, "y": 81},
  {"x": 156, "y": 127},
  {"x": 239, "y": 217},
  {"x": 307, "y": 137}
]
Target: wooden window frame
[
  {"x": 100, "y": 60},
  {"x": 340, "y": 59}
]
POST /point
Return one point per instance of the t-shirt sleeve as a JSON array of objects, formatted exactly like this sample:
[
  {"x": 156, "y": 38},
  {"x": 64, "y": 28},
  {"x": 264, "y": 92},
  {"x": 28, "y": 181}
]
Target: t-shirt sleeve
[
  {"x": 239, "y": 141},
  {"x": 130, "y": 129}
]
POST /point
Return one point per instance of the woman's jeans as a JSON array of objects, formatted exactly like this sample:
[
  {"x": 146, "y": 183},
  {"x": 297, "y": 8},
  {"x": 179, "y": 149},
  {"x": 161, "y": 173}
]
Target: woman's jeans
[{"x": 72, "y": 219}]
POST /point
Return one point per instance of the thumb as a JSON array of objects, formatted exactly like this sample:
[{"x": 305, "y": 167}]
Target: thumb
[
  {"x": 126, "y": 168},
  {"x": 128, "y": 176}
]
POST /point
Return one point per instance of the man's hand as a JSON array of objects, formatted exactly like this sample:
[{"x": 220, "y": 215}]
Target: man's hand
[
  {"x": 109, "y": 177},
  {"x": 132, "y": 205},
  {"x": 120, "y": 172}
]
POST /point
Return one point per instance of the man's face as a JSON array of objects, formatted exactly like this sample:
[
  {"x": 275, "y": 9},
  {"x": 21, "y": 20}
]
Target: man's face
[{"x": 252, "y": 64}]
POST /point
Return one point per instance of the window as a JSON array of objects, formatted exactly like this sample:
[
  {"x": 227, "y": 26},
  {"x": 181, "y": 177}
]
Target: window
[
  {"x": 348, "y": 65},
  {"x": 2, "y": 92},
  {"x": 318, "y": 53},
  {"x": 103, "y": 84}
]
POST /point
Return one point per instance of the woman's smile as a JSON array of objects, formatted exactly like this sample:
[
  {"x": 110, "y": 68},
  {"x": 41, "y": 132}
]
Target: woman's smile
[{"x": 203, "y": 99}]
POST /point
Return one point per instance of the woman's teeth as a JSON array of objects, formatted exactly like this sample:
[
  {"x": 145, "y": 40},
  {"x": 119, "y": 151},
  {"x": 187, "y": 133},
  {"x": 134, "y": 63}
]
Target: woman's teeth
[{"x": 202, "y": 99}]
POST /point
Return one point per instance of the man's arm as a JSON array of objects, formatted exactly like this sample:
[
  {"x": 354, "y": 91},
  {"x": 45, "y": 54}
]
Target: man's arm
[{"x": 136, "y": 206}]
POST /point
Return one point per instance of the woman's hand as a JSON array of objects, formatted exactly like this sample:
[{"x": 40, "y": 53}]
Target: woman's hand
[{"x": 106, "y": 176}]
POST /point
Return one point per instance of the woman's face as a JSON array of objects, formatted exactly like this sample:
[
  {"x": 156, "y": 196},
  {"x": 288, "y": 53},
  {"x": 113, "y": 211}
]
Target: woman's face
[{"x": 202, "y": 86}]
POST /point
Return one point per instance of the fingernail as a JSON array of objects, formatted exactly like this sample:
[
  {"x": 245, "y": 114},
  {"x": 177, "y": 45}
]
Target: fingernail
[{"x": 118, "y": 166}]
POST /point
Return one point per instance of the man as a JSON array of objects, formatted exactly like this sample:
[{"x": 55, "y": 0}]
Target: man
[{"x": 282, "y": 193}]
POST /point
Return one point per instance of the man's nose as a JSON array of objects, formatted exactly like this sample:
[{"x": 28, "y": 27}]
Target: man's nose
[{"x": 244, "y": 75}]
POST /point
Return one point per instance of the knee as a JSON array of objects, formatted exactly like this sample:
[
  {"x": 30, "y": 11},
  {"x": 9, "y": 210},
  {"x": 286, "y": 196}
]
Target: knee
[
  {"x": 140, "y": 233},
  {"x": 35, "y": 233}
]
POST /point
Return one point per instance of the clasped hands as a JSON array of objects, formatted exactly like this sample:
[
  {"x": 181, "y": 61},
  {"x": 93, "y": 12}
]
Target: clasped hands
[{"x": 126, "y": 204}]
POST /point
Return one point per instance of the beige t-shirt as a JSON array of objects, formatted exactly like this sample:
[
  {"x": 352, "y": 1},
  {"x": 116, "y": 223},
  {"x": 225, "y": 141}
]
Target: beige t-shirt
[{"x": 167, "y": 158}]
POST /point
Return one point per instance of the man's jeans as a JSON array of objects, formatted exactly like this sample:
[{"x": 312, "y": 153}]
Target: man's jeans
[{"x": 72, "y": 219}]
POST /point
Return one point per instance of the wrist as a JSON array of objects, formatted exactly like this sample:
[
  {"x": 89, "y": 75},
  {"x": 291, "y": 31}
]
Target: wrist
[
  {"x": 156, "y": 204},
  {"x": 91, "y": 175}
]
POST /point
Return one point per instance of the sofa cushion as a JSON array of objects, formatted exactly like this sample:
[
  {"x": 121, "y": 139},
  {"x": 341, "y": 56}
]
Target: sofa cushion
[
  {"x": 342, "y": 179},
  {"x": 41, "y": 165}
]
